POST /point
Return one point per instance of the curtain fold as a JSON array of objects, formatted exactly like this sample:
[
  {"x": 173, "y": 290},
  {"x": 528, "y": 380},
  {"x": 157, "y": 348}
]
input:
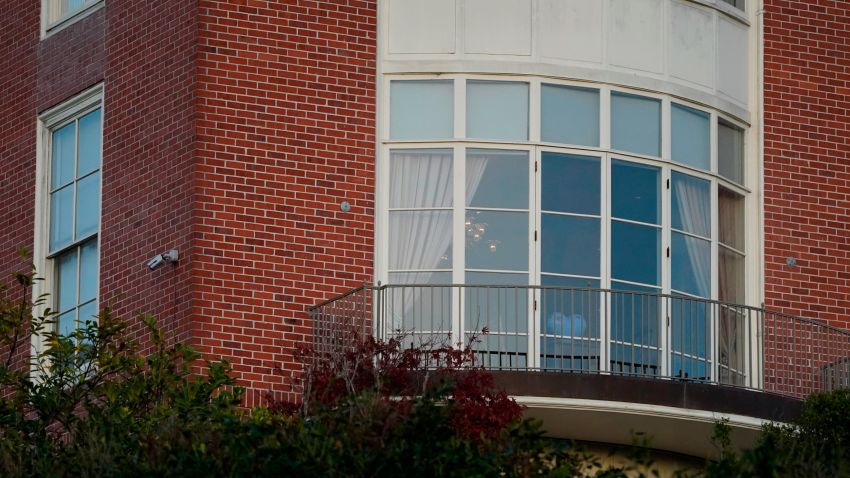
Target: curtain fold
[{"x": 695, "y": 210}]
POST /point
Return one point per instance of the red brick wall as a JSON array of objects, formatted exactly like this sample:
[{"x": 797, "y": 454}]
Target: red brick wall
[
  {"x": 144, "y": 53},
  {"x": 807, "y": 158},
  {"x": 149, "y": 106},
  {"x": 286, "y": 118}
]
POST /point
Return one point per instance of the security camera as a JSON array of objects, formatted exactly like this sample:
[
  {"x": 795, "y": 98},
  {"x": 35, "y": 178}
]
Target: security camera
[
  {"x": 160, "y": 259},
  {"x": 157, "y": 261}
]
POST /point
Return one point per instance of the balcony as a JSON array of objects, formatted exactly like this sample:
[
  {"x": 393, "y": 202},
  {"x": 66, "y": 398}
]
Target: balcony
[
  {"x": 596, "y": 331},
  {"x": 595, "y": 364}
]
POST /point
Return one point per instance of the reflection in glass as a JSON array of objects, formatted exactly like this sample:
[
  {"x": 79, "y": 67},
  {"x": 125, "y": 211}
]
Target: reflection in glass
[
  {"x": 497, "y": 179},
  {"x": 635, "y": 253},
  {"x": 569, "y": 245},
  {"x": 635, "y": 124},
  {"x": 691, "y": 132},
  {"x": 497, "y": 110},
  {"x": 497, "y": 240},
  {"x": 570, "y": 183},
  {"x": 635, "y": 192},
  {"x": 569, "y": 115}
]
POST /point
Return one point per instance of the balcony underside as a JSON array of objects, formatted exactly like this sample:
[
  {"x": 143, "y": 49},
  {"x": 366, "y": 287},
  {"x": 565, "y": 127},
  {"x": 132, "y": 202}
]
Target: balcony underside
[{"x": 676, "y": 416}]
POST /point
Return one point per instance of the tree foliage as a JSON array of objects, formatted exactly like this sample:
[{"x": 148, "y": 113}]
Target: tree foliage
[{"x": 91, "y": 404}]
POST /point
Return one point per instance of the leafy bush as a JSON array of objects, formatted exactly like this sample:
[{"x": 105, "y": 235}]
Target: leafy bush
[
  {"x": 90, "y": 404},
  {"x": 817, "y": 444}
]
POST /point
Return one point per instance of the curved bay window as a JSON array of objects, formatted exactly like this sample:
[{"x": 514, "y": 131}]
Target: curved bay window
[{"x": 591, "y": 228}]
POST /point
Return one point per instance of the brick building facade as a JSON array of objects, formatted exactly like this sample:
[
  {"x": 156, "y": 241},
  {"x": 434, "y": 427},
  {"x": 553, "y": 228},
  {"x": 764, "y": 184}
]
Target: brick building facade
[{"x": 233, "y": 131}]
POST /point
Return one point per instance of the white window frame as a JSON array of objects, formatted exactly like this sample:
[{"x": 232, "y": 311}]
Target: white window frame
[
  {"x": 460, "y": 143},
  {"x": 48, "y": 28},
  {"x": 47, "y": 123}
]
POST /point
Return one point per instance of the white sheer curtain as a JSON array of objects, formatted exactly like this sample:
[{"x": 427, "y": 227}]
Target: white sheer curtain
[
  {"x": 420, "y": 180},
  {"x": 695, "y": 210}
]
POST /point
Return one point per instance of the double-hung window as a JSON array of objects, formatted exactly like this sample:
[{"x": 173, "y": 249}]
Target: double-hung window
[
  {"x": 69, "y": 208},
  {"x": 56, "y": 14}
]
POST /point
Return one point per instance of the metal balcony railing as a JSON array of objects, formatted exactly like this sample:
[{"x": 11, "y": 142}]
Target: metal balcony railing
[{"x": 599, "y": 331}]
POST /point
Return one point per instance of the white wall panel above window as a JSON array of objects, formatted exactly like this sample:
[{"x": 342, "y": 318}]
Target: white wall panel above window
[
  {"x": 733, "y": 60},
  {"x": 571, "y": 29},
  {"x": 417, "y": 26},
  {"x": 636, "y": 34},
  {"x": 692, "y": 45},
  {"x": 498, "y": 27}
]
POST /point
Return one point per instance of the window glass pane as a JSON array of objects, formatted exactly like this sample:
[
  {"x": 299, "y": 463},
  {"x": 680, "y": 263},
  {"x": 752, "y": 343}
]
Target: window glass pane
[
  {"x": 66, "y": 274},
  {"x": 635, "y": 317},
  {"x": 635, "y": 253},
  {"x": 60, "y": 8},
  {"x": 497, "y": 179},
  {"x": 88, "y": 312},
  {"x": 66, "y": 323},
  {"x": 441, "y": 278},
  {"x": 500, "y": 309},
  {"x": 88, "y": 271},
  {"x": 635, "y": 192},
  {"x": 691, "y": 137},
  {"x": 424, "y": 313},
  {"x": 569, "y": 282},
  {"x": 62, "y": 160},
  {"x": 690, "y": 265},
  {"x": 88, "y": 205},
  {"x": 691, "y": 205},
  {"x": 421, "y": 178},
  {"x": 736, "y": 3},
  {"x": 731, "y": 270},
  {"x": 636, "y": 124},
  {"x": 90, "y": 139},
  {"x": 570, "y": 183},
  {"x": 569, "y": 245},
  {"x": 689, "y": 338},
  {"x": 61, "y": 217},
  {"x": 497, "y": 240},
  {"x": 731, "y": 218},
  {"x": 569, "y": 321},
  {"x": 497, "y": 110},
  {"x": 569, "y": 115},
  {"x": 420, "y": 240},
  {"x": 730, "y": 152},
  {"x": 422, "y": 109}
]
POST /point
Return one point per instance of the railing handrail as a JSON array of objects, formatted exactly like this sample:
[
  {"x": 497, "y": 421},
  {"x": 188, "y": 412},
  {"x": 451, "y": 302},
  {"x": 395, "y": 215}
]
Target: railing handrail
[
  {"x": 381, "y": 287},
  {"x": 711, "y": 341}
]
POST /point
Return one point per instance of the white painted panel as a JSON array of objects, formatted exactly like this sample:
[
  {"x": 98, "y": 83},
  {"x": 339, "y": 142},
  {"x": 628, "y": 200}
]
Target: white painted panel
[
  {"x": 498, "y": 27},
  {"x": 421, "y": 26},
  {"x": 636, "y": 34},
  {"x": 571, "y": 29},
  {"x": 692, "y": 44},
  {"x": 732, "y": 60}
]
